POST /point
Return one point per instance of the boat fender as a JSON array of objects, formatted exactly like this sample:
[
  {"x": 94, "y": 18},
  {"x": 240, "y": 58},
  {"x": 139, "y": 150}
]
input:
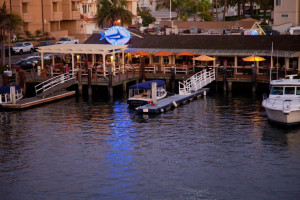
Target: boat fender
[{"x": 175, "y": 104}]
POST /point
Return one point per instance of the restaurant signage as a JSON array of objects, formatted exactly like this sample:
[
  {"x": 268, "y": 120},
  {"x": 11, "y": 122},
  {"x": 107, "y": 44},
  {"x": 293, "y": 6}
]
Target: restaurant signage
[{"x": 116, "y": 35}]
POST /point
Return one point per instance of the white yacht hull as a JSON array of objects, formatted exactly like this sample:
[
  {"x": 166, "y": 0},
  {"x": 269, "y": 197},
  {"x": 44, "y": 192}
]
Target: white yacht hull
[{"x": 292, "y": 117}]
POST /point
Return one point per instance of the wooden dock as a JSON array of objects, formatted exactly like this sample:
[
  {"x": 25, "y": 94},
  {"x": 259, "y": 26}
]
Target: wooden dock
[
  {"x": 36, "y": 101},
  {"x": 171, "y": 102}
]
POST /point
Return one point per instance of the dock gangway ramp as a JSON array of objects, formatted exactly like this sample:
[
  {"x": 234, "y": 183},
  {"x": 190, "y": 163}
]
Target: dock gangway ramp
[
  {"x": 55, "y": 84},
  {"x": 197, "y": 81}
]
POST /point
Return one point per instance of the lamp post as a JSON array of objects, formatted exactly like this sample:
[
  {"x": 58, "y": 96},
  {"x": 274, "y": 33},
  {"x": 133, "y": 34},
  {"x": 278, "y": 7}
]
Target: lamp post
[
  {"x": 42, "y": 3},
  {"x": 170, "y": 10}
]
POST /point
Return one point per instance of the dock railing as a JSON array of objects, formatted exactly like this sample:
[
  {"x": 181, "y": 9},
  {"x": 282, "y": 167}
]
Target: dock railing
[
  {"x": 54, "y": 82},
  {"x": 197, "y": 81}
]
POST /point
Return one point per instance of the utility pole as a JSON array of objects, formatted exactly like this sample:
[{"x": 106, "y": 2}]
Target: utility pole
[{"x": 42, "y": 2}]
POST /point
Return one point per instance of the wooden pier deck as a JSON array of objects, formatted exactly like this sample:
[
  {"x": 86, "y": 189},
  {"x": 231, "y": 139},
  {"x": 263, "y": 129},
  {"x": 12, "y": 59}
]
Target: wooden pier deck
[
  {"x": 36, "y": 101},
  {"x": 170, "y": 102}
]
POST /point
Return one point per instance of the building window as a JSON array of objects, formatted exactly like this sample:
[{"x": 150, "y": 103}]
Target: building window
[
  {"x": 284, "y": 15},
  {"x": 24, "y": 8},
  {"x": 84, "y": 10},
  {"x": 74, "y": 6},
  {"x": 278, "y": 2},
  {"x": 166, "y": 59},
  {"x": 55, "y": 7},
  {"x": 155, "y": 59}
]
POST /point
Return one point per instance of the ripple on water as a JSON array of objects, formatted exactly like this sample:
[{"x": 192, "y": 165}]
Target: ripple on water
[{"x": 217, "y": 147}]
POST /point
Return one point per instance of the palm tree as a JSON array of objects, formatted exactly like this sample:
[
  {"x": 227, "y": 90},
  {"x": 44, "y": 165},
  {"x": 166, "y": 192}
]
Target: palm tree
[
  {"x": 181, "y": 7},
  {"x": 9, "y": 23},
  {"x": 112, "y": 12},
  {"x": 266, "y": 4},
  {"x": 200, "y": 8}
]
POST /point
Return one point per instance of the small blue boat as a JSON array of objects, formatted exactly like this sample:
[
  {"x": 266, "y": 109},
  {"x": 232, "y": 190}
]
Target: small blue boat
[
  {"x": 141, "y": 93},
  {"x": 6, "y": 95}
]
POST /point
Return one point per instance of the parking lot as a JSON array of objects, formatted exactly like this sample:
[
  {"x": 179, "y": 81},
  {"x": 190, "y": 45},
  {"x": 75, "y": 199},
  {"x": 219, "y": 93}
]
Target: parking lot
[{"x": 16, "y": 58}]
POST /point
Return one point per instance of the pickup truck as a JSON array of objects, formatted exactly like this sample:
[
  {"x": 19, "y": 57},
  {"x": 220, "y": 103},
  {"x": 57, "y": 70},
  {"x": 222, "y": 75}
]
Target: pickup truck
[{"x": 67, "y": 40}]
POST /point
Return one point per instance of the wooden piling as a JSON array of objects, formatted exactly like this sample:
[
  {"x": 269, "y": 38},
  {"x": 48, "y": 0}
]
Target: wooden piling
[
  {"x": 143, "y": 75},
  {"x": 173, "y": 79},
  {"x": 22, "y": 82},
  {"x": 154, "y": 92},
  {"x": 224, "y": 76},
  {"x": 110, "y": 86},
  {"x": 254, "y": 78},
  {"x": 90, "y": 91},
  {"x": 5, "y": 79}
]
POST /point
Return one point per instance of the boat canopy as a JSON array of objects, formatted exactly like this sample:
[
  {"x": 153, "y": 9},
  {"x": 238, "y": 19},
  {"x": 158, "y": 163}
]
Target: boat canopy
[
  {"x": 6, "y": 89},
  {"x": 147, "y": 84}
]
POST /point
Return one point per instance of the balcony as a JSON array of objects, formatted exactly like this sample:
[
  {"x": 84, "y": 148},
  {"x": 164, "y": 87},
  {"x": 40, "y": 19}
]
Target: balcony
[
  {"x": 27, "y": 17},
  {"x": 57, "y": 16},
  {"x": 75, "y": 15}
]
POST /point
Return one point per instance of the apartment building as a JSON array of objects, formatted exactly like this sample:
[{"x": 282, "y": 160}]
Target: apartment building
[
  {"x": 287, "y": 12},
  {"x": 59, "y": 16},
  {"x": 46, "y": 15}
]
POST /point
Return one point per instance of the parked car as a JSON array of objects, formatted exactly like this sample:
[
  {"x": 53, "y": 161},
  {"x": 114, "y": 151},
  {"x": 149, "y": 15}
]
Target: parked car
[
  {"x": 67, "y": 40},
  {"x": 7, "y": 50},
  {"x": 42, "y": 44},
  {"x": 22, "y": 47},
  {"x": 26, "y": 64}
]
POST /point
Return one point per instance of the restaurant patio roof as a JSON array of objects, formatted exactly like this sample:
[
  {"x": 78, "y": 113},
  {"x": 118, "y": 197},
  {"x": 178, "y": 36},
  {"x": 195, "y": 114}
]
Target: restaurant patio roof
[{"x": 82, "y": 48}]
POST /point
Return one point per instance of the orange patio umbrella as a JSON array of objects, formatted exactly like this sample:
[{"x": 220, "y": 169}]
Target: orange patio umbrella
[
  {"x": 204, "y": 58},
  {"x": 141, "y": 53},
  {"x": 253, "y": 58},
  {"x": 163, "y": 53},
  {"x": 186, "y": 53}
]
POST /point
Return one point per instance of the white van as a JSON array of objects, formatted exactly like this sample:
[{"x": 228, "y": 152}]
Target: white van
[{"x": 294, "y": 30}]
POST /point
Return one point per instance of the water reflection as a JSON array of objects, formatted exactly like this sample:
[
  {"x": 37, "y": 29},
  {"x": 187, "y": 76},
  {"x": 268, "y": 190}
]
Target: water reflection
[
  {"x": 76, "y": 149},
  {"x": 120, "y": 157}
]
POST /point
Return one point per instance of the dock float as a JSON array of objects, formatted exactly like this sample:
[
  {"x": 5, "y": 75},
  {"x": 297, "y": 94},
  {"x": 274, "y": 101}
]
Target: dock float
[
  {"x": 170, "y": 102},
  {"x": 36, "y": 101}
]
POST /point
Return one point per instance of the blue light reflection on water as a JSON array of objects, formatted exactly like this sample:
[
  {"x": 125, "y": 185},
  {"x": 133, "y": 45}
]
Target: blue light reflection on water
[
  {"x": 121, "y": 172},
  {"x": 213, "y": 148}
]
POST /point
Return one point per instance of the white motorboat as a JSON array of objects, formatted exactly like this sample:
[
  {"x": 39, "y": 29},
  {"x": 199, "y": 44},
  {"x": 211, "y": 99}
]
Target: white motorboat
[
  {"x": 141, "y": 93},
  {"x": 283, "y": 103}
]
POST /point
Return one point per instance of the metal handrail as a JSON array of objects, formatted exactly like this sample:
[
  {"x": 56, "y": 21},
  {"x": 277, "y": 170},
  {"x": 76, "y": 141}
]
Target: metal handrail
[
  {"x": 53, "y": 82},
  {"x": 197, "y": 81}
]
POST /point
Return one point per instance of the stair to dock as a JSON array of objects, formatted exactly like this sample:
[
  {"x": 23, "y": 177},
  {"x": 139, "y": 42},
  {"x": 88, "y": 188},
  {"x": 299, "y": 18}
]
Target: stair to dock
[
  {"x": 55, "y": 84},
  {"x": 197, "y": 81}
]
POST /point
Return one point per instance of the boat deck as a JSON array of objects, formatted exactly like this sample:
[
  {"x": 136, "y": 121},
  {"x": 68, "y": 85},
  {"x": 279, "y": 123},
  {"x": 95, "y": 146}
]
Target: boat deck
[{"x": 170, "y": 102}]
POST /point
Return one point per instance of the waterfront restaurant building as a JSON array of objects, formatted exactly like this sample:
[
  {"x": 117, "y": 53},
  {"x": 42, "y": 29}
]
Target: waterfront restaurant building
[{"x": 284, "y": 49}]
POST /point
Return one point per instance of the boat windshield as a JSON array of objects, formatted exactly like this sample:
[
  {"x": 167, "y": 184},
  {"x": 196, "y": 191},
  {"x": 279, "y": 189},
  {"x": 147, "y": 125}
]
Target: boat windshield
[
  {"x": 277, "y": 90},
  {"x": 298, "y": 91},
  {"x": 289, "y": 90}
]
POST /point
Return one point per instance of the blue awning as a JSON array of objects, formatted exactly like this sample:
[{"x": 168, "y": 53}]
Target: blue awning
[
  {"x": 147, "y": 85},
  {"x": 6, "y": 89}
]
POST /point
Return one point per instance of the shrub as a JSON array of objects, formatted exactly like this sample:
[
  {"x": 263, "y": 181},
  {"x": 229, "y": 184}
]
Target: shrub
[
  {"x": 28, "y": 34},
  {"x": 38, "y": 32}
]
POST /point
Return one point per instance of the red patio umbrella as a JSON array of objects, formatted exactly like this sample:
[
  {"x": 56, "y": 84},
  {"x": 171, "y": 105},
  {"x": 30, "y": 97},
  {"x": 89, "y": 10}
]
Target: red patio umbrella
[
  {"x": 186, "y": 53},
  {"x": 163, "y": 53},
  {"x": 141, "y": 53}
]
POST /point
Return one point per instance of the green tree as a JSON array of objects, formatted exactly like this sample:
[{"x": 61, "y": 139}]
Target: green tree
[
  {"x": 146, "y": 17},
  {"x": 200, "y": 8},
  {"x": 266, "y": 5},
  {"x": 9, "y": 23},
  {"x": 181, "y": 7},
  {"x": 111, "y": 11}
]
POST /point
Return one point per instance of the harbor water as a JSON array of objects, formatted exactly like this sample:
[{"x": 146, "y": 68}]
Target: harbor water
[{"x": 216, "y": 147}]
